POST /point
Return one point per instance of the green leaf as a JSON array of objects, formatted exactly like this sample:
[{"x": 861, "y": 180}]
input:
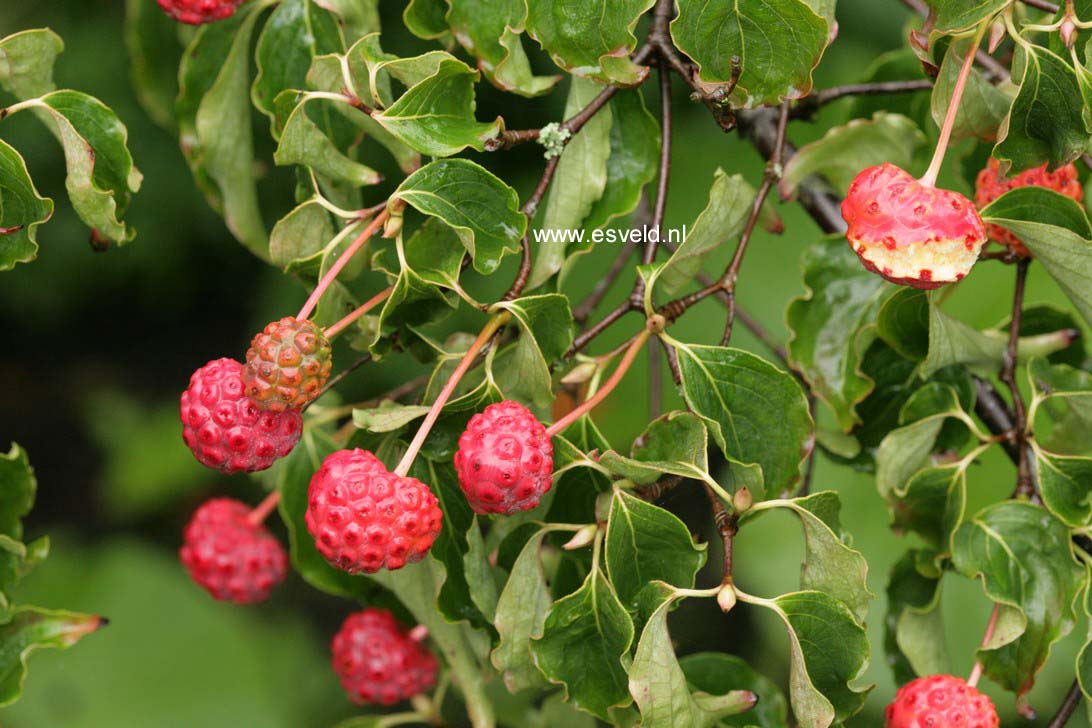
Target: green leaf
[
  {"x": 1024, "y": 558},
  {"x": 590, "y": 39},
  {"x": 778, "y": 43},
  {"x": 983, "y": 107},
  {"x": 914, "y": 625},
  {"x": 775, "y": 430},
  {"x": 716, "y": 673},
  {"x": 956, "y": 15},
  {"x": 297, "y": 31},
  {"x": 302, "y": 142},
  {"x": 31, "y": 629},
  {"x": 520, "y": 616},
  {"x": 1063, "y": 250},
  {"x": 17, "y": 490},
  {"x": 830, "y": 327},
  {"x": 585, "y": 639},
  {"x": 151, "y": 38},
  {"x": 731, "y": 198},
  {"x": 436, "y": 116},
  {"x": 645, "y": 543},
  {"x": 633, "y": 161},
  {"x": 101, "y": 176},
  {"x": 491, "y": 32},
  {"x": 579, "y": 182},
  {"x": 425, "y": 18},
  {"x": 546, "y": 333},
  {"x": 26, "y": 62},
  {"x": 659, "y": 687},
  {"x": 676, "y": 443},
  {"x": 1065, "y": 483},
  {"x": 482, "y": 209},
  {"x": 845, "y": 150},
  {"x": 22, "y": 210},
  {"x": 1060, "y": 411},
  {"x": 1046, "y": 122},
  {"x": 358, "y": 17},
  {"x": 829, "y": 650},
  {"x": 830, "y": 565},
  {"x": 299, "y": 241},
  {"x": 214, "y": 123}
]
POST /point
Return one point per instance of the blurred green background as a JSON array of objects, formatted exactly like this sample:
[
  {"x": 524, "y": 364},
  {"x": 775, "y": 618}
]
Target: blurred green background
[{"x": 97, "y": 347}]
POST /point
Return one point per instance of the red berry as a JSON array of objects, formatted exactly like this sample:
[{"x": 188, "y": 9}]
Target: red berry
[
  {"x": 225, "y": 430},
  {"x": 230, "y": 557},
  {"x": 365, "y": 518},
  {"x": 199, "y": 12},
  {"x": 505, "y": 460},
  {"x": 908, "y": 233},
  {"x": 287, "y": 364},
  {"x": 377, "y": 660},
  {"x": 990, "y": 185},
  {"x": 939, "y": 701}
]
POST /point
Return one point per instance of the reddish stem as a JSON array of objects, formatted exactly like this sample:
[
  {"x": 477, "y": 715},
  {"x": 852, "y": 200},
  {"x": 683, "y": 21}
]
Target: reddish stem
[
  {"x": 335, "y": 329},
  {"x": 929, "y": 179},
  {"x": 601, "y": 394},
  {"x": 486, "y": 334},
  {"x": 340, "y": 263},
  {"x": 263, "y": 509},
  {"x": 976, "y": 672}
]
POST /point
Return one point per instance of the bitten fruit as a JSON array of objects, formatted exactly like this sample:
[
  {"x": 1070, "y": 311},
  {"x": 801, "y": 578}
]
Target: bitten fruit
[
  {"x": 199, "y": 12},
  {"x": 233, "y": 559},
  {"x": 505, "y": 460},
  {"x": 287, "y": 365},
  {"x": 378, "y": 661},
  {"x": 225, "y": 430},
  {"x": 990, "y": 185},
  {"x": 938, "y": 701},
  {"x": 911, "y": 234},
  {"x": 365, "y": 518}
]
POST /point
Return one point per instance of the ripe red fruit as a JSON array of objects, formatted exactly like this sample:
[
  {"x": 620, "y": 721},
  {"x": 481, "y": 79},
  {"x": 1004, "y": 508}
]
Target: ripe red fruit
[
  {"x": 938, "y": 701},
  {"x": 287, "y": 364},
  {"x": 990, "y": 185},
  {"x": 908, "y": 233},
  {"x": 230, "y": 557},
  {"x": 199, "y": 12},
  {"x": 225, "y": 430},
  {"x": 365, "y": 518},
  {"x": 378, "y": 661},
  {"x": 505, "y": 460}
]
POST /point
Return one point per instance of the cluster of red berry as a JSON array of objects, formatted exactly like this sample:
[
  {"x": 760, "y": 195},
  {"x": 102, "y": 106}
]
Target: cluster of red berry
[{"x": 363, "y": 517}]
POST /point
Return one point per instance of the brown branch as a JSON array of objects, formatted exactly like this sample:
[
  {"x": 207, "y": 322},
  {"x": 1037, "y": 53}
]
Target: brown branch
[
  {"x": 727, "y": 526},
  {"x": 339, "y": 377},
  {"x": 586, "y": 336},
  {"x": 1073, "y": 700},
  {"x": 1025, "y": 486},
  {"x": 1041, "y": 5},
  {"x": 660, "y": 209},
  {"x": 727, "y": 281},
  {"x": 808, "y": 105}
]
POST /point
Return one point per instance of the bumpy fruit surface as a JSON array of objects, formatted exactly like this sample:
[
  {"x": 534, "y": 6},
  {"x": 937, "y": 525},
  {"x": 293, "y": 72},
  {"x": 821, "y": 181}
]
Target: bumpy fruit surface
[
  {"x": 233, "y": 559},
  {"x": 505, "y": 460},
  {"x": 365, "y": 518},
  {"x": 225, "y": 430},
  {"x": 287, "y": 365},
  {"x": 990, "y": 185},
  {"x": 199, "y": 12},
  {"x": 940, "y": 701},
  {"x": 377, "y": 660},
  {"x": 908, "y": 233}
]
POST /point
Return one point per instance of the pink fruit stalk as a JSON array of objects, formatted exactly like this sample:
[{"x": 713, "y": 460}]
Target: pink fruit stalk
[{"x": 225, "y": 430}]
